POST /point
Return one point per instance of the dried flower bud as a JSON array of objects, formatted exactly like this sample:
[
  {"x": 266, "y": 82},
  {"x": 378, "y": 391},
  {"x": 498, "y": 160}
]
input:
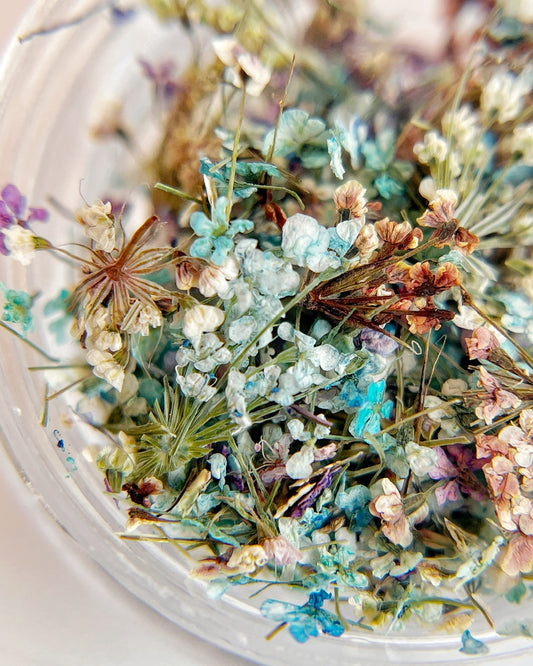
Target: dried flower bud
[
  {"x": 367, "y": 240},
  {"x": 247, "y": 559},
  {"x": 441, "y": 209},
  {"x": 350, "y": 200},
  {"x": 187, "y": 273},
  {"x": 399, "y": 234}
]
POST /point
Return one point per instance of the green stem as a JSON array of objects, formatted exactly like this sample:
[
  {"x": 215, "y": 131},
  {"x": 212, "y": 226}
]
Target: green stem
[
  {"x": 235, "y": 153},
  {"x": 29, "y": 343}
]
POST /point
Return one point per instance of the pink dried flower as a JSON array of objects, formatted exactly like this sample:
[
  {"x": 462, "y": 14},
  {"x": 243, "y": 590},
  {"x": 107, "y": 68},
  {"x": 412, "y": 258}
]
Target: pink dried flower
[
  {"x": 488, "y": 446},
  {"x": 440, "y": 210},
  {"x": 389, "y": 507},
  {"x": 482, "y": 342},
  {"x": 449, "y": 492},
  {"x": 497, "y": 399},
  {"x": 325, "y": 452},
  {"x": 518, "y": 556},
  {"x": 281, "y": 551}
]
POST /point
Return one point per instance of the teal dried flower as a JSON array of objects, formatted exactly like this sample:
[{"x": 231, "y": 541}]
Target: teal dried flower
[
  {"x": 216, "y": 234},
  {"x": 302, "y": 137},
  {"x": 16, "y": 309}
]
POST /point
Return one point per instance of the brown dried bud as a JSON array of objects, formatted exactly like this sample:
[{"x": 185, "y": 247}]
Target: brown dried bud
[
  {"x": 465, "y": 241},
  {"x": 350, "y": 200},
  {"x": 187, "y": 273},
  {"x": 399, "y": 234}
]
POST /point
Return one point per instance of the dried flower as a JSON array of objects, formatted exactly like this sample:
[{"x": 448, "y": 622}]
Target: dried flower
[
  {"x": 244, "y": 66},
  {"x": 247, "y": 559},
  {"x": 98, "y": 224},
  {"x": 281, "y": 551},
  {"x": 20, "y": 243},
  {"x": 350, "y": 200},
  {"x": 389, "y": 507},
  {"x": 482, "y": 342},
  {"x": 496, "y": 400},
  {"x": 201, "y": 319},
  {"x": 118, "y": 280}
]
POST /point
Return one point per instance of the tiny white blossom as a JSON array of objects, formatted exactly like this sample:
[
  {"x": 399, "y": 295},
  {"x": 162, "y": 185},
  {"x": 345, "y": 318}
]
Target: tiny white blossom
[
  {"x": 298, "y": 466},
  {"x": 106, "y": 341},
  {"x": 468, "y": 318},
  {"x": 141, "y": 317},
  {"x": 247, "y": 559},
  {"x": 201, "y": 319},
  {"x": 454, "y": 386},
  {"x": 305, "y": 243},
  {"x": 427, "y": 188},
  {"x": 240, "y": 62},
  {"x": 196, "y": 385},
  {"x": 518, "y": 9},
  {"x": 98, "y": 224},
  {"x": 502, "y": 97},
  {"x": 105, "y": 367},
  {"x": 215, "y": 279},
  {"x": 420, "y": 458},
  {"x": 433, "y": 149},
  {"x": 21, "y": 243},
  {"x": 522, "y": 142},
  {"x": 462, "y": 125}
]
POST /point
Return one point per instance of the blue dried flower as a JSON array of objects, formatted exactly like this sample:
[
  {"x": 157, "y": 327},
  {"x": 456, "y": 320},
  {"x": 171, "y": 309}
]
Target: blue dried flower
[
  {"x": 472, "y": 645},
  {"x": 371, "y": 410},
  {"x": 304, "y": 621},
  {"x": 216, "y": 235},
  {"x": 300, "y": 136}
]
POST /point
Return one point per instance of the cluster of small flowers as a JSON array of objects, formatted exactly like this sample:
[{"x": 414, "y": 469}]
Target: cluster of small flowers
[{"x": 277, "y": 384}]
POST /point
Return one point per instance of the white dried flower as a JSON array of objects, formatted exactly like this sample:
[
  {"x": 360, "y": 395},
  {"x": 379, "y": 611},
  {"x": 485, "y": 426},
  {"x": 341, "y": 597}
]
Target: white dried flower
[
  {"x": 463, "y": 126},
  {"x": 98, "y": 224},
  {"x": 195, "y": 385},
  {"x": 141, "y": 317},
  {"x": 242, "y": 66},
  {"x": 522, "y": 142},
  {"x": 105, "y": 367},
  {"x": 427, "y": 188},
  {"x": 247, "y": 559},
  {"x": 21, "y": 243},
  {"x": 502, "y": 98},
  {"x": 215, "y": 279},
  {"x": 106, "y": 341},
  {"x": 421, "y": 459},
  {"x": 518, "y": 9},
  {"x": 201, "y": 319},
  {"x": 433, "y": 149}
]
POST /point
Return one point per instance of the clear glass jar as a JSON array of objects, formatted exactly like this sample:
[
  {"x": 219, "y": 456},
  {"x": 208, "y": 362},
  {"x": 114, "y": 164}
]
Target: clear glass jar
[{"x": 51, "y": 91}]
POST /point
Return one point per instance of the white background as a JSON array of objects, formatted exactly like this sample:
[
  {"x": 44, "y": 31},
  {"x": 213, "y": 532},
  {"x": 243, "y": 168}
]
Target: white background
[{"x": 57, "y": 608}]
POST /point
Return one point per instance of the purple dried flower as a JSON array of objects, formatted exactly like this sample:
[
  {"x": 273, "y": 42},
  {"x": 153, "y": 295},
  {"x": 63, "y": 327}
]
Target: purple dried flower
[
  {"x": 13, "y": 211},
  {"x": 162, "y": 76},
  {"x": 378, "y": 342},
  {"x": 309, "y": 500}
]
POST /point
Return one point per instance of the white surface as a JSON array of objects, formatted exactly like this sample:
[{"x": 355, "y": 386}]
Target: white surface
[{"x": 58, "y": 608}]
